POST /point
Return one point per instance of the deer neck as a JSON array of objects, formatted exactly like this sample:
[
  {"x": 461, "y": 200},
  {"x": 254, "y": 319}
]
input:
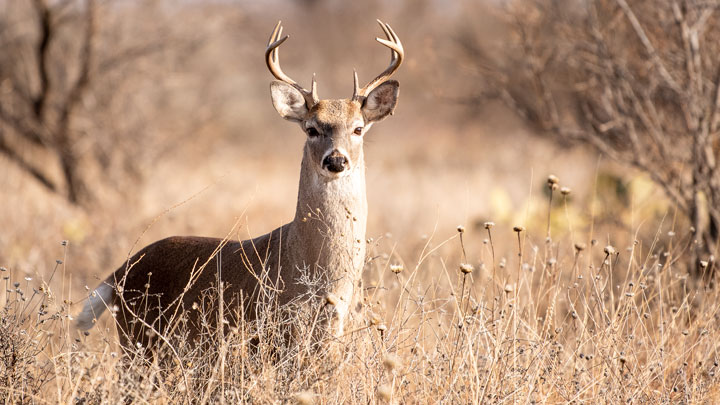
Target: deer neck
[
  {"x": 328, "y": 232},
  {"x": 327, "y": 236}
]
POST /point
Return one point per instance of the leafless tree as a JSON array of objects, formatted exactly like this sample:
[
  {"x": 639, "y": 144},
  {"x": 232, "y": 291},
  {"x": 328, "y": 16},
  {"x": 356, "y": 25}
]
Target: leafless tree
[
  {"x": 39, "y": 100},
  {"x": 78, "y": 90},
  {"x": 638, "y": 81}
]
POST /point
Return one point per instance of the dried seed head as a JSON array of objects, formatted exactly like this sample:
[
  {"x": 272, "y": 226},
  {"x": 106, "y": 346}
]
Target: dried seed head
[
  {"x": 466, "y": 268},
  {"x": 509, "y": 288},
  {"x": 460, "y": 229},
  {"x": 396, "y": 268},
  {"x": 331, "y": 299},
  {"x": 518, "y": 229},
  {"x": 580, "y": 247},
  {"x": 609, "y": 250},
  {"x": 552, "y": 179},
  {"x": 195, "y": 306},
  {"x": 304, "y": 397},
  {"x": 385, "y": 392},
  {"x": 703, "y": 263},
  {"x": 391, "y": 362},
  {"x": 489, "y": 224},
  {"x": 381, "y": 327},
  {"x": 58, "y": 261},
  {"x": 565, "y": 190}
]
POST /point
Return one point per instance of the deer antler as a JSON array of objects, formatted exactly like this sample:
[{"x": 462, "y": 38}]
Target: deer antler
[
  {"x": 396, "y": 57},
  {"x": 272, "y": 58}
]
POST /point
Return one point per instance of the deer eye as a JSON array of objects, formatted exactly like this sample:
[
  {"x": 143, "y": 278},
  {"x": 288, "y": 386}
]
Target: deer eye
[
  {"x": 358, "y": 131},
  {"x": 312, "y": 132}
]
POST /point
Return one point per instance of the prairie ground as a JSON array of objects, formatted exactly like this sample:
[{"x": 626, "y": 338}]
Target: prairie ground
[{"x": 483, "y": 285}]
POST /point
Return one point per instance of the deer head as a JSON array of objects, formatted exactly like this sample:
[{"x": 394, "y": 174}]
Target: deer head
[{"x": 335, "y": 128}]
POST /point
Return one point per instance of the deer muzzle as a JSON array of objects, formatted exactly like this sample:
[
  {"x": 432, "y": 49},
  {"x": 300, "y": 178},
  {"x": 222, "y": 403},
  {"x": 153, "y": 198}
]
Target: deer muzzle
[{"x": 335, "y": 162}]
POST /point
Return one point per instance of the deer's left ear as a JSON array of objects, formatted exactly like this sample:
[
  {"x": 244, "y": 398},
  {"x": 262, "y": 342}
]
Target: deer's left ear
[{"x": 381, "y": 102}]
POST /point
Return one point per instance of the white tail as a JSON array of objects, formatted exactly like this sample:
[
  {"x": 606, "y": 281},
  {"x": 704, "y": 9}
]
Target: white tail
[
  {"x": 98, "y": 301},
  {"x": 326, "y": 237}
]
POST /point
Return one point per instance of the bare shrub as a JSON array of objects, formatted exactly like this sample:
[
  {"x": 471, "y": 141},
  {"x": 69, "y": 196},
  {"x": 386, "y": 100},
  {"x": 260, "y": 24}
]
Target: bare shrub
[
  {"x": 638, "y": 82},
  {"x": 28, "y": 324}
]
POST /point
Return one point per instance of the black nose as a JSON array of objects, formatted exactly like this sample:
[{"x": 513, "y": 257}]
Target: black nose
[{"x": 335, "y": 162}]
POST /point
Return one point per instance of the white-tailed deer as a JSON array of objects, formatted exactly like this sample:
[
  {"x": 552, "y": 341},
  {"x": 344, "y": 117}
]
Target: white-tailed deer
[{"x": 326, "y": 237}]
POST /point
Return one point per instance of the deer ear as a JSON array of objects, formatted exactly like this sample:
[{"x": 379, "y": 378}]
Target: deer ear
[
  {"x": 288, "y": 101},
  {"x": 381, "y": 101}
]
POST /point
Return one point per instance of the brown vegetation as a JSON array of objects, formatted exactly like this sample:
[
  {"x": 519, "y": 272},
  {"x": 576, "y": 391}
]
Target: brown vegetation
[
  {"x": 638, "y": 82},
  {"x": 591, "y": 299}
]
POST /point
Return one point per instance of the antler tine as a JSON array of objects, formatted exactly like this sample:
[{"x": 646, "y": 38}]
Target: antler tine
[
  {"x": 390, "y": 36},
  {"x": 272, "y": 59},
  {"x": 356, "y": 86},
  {"x": 273, "y": 36},
  {"x": 396, "y": 57},
  {"x": 277, "y": 31},
  {"x": 313, "y": 90}
]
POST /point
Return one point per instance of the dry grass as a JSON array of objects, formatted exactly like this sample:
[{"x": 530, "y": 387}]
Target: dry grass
[
  {"x": 534, "y": 319},
  {"x": 482, "y": 314}
]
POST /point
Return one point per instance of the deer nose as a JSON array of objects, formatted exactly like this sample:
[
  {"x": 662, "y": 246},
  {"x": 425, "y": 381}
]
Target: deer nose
[{"x": 335, "y": 161}]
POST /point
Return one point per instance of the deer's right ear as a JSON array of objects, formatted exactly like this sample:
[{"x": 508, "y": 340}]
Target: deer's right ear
[{"x": 288, "y": 101}]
